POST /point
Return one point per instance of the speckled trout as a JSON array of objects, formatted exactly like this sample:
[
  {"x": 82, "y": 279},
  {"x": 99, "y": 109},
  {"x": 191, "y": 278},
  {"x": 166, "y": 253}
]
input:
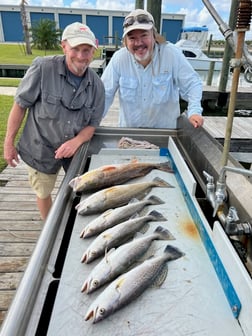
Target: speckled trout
[
  {"x": 131, "y": 284},
  {"x": 117, "y": 196},
  {"x": 118, "y": 234},
  {"x": 110, "y": 175},
  {"x": 112, "y": 217},
  {"x": 118, "y": 261}
]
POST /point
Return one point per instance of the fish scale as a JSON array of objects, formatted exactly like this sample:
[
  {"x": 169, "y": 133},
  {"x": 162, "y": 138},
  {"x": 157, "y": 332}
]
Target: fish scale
[
  {"x": 117, "y": 196},
  {"x": 130, "y": 285}
]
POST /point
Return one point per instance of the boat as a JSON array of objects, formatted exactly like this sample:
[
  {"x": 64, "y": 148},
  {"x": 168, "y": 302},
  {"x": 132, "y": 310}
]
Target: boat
[{"x": 192, "y": 42}]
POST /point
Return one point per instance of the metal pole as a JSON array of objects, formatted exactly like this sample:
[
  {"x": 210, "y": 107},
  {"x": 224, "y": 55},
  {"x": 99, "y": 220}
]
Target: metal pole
[
  {"x": 228, "y": 51},
  {"x": 232, "y": 100},
  {"x": 243, "y": 21},
  {"x": 139, "y": 4},
  {"x": 154, "y": 7}
]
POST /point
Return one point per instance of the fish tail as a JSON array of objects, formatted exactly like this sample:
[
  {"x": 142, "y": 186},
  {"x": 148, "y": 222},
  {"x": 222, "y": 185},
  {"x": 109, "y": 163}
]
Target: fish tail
[
  {"x": 163, "y": 234},
  {"x": 154, "y": 200},
  {"x": 165, "y": 166},
  {"x": 173, "y": 253},
  {"x": 156, "y": 216},
  {"x": 162, "y": 183}
]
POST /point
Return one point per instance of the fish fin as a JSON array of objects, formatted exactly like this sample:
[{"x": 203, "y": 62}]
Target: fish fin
[
  {"x": 109, "y": 168},
  {"x": 145, "y": 228},
  {"x": 173, "y": 252},
  {"x": 72, "y": 182},
  {"x": 135, "y": 215},
  {"x": 133, "y": 200},
  {"x": 165, "y": 166},
  {"x": 161, "y": 276},
  {"x": 119, "y": 282},
  {"x": 107, "y": 213},
  {"x": 157, "y": 216},
  {"x": 162, "y": 183},
  {"x": 155, "y": 200},
  {"x": 134, "y": 160},
  {"x": 164, "y": 234},
  {"x": 107, "y": 253}
]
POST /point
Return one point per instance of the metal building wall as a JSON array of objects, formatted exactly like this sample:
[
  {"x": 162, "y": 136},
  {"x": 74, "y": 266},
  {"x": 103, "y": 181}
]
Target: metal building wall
[
  {"x": 99, "y": 25},
  {"x": 104, "y": 23},
  {"x": 66, "y": 19},
  {"x": 171, "y": 29},
  {"x": 12, "y": 26}
]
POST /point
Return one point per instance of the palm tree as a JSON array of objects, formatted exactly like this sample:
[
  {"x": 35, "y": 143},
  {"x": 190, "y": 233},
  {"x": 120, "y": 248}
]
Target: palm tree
[
  {"x": 45, "y": 36},
  {"x": 25, "y": 26}
]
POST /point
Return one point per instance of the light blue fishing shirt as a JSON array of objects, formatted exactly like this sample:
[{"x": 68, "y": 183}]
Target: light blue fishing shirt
[{"x": 149, "y": 97}]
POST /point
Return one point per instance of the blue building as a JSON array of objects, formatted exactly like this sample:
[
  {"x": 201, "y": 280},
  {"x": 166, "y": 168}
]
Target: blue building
[{"x": 104, "y": 23}]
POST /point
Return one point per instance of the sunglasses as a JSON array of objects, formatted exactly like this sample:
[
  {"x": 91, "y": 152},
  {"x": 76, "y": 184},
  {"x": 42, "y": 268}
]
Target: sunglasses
[{"x": 141, "y": 18}]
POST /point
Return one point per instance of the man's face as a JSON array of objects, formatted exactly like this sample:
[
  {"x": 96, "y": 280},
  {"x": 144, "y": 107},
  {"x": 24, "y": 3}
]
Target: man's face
[
  {"x": 140, "y": 43},
  {"x": 78, "y": 58}
]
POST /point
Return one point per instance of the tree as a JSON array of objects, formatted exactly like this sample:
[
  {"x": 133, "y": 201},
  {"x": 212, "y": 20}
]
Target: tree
[
  {"x": 25, "y": 26},
  {"x": 45, "y": 36}
]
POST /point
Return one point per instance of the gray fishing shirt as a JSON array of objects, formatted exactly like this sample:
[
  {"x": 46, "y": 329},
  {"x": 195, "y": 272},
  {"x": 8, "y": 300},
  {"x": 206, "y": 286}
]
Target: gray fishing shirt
[{"x": 57, "y": 110}]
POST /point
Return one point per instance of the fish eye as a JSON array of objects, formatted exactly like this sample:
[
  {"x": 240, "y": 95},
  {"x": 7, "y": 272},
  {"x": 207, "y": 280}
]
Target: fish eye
[
  {"x": 95, "y": 283},
  {"x": 93, "y": 253},
  {"x": 102, "y": 311}
]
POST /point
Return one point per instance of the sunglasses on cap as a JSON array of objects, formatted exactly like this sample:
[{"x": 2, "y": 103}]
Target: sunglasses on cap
[{"x": 141, "y": 18}]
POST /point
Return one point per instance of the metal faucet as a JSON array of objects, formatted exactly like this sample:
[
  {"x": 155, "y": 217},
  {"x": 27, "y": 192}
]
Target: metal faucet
[
  {"x": 215, "y": 196},
  {"x": 218, "y": 196}
]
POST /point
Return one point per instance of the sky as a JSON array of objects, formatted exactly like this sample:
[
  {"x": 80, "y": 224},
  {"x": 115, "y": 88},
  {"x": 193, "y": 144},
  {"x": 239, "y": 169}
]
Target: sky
[{"x": 196, "y": 13}]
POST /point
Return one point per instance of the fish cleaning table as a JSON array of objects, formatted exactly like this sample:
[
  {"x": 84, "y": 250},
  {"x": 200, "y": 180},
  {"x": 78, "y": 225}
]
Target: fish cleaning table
[{"x": 191, "y": 301}]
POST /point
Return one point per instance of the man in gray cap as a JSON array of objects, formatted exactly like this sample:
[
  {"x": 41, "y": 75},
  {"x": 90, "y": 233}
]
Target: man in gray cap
[
  {"x": 150, "y": 75},
  {"x": 65, "y": 101}
]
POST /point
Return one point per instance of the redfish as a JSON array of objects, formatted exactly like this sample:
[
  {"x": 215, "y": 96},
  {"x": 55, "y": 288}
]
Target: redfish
[
  {"x": 110, "y": 175},
  {"x": 117, "y": 196}
]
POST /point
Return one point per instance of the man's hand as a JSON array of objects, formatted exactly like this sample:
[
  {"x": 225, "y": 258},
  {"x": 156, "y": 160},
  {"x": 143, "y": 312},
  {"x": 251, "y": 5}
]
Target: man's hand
[
  {"x": 11, "y": 155},
  {"x": 196, "y": 120}
]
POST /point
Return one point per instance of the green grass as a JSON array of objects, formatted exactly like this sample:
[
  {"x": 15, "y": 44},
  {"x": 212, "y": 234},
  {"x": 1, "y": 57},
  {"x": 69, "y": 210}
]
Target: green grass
[
  {"x": 15, "y": 54},
  {"x": 5, "y": 106},
  {"x": 12, "y": 82}
]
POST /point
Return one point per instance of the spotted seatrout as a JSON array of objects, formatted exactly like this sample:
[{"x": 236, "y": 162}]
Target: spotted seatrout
[
  {"x": 118, "y": 261},
  {"x": 112, "y": 217},
  {"x": 117, "y": 196},
  {"x": 107, "y": 176},
  {"x": 118, "y": 234},
  {"x": 130, "y": 285}
]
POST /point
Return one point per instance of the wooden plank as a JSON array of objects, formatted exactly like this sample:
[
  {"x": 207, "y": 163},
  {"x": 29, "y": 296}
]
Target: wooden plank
[
  {"x": 13, "y": 264},
  {"x": 16, "y": 249},
  {"x": 6, "y": 297},
  {"x": 241, "y": 128},
  {"x": 16, "y": 225},
  {"x": 19, "y": 236},
  {"x": 20, "y": 215},
  {"x": 9, "y": 281}
]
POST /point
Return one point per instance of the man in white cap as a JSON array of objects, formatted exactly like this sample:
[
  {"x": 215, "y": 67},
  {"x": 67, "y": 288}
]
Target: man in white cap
[
  {"x": 65, "y": 101},
  {"x": 151, "y": 75}
]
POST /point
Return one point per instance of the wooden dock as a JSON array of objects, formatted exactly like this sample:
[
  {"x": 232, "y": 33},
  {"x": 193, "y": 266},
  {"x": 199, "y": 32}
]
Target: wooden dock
[{"x": 20, "y": 227}]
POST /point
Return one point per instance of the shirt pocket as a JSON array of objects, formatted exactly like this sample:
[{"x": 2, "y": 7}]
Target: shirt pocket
[
  {"x": 128, "y": 89},
  {"x": 162, "y": 88}
]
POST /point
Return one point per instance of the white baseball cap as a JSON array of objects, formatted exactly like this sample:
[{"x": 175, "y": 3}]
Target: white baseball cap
[
  {"x": 78, "y": 33},
  {"x": 138, "y": 19}
]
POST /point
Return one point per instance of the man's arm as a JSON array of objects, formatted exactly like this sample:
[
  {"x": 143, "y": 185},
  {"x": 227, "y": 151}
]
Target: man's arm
[{"x": 15, "y": 119}]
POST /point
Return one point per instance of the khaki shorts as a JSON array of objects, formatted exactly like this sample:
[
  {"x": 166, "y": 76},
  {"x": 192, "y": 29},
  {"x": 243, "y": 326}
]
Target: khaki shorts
[{"x": 41, "y": 183}]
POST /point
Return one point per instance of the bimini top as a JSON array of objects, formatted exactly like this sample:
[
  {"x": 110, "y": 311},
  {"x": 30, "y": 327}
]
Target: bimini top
[{"x": 194, "y": 29}]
